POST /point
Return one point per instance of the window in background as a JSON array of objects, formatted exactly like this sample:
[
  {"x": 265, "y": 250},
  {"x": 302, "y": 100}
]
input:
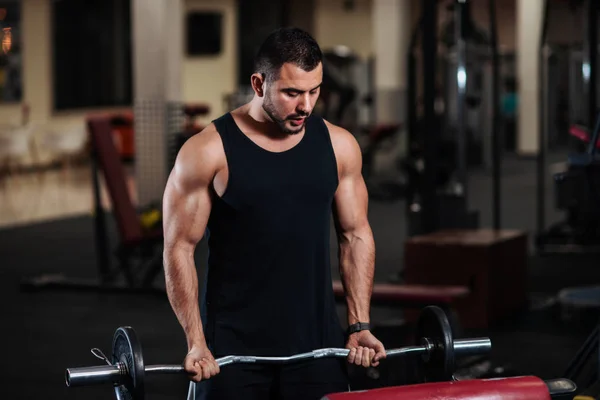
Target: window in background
[
  {"x": 91, "y": 42},
  {"x": 204, "y": 33},
  {"x": 11, "y": 83}
]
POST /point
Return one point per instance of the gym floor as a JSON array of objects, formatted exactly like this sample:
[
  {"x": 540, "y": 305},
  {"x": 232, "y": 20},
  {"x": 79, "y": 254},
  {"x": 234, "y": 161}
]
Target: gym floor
[{"x": 48, "y": 331}]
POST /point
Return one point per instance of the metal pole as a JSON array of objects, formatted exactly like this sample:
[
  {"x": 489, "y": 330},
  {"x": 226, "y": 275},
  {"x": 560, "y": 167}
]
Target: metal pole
[
  {"x": 592, "y": 59},
  {"x": 541, "y": 159},
  {"x": 411, "y": 128},
  {"x": 496, "y": 142},
  {"x": 411, "y": 94},
  {"x": 591, "y": 150},
  {"x": 430, "y": 131},
  {"x": 412, "y": 138},
  {"x": 101, "y": 236},
  {"x": 461, "y": 86}
]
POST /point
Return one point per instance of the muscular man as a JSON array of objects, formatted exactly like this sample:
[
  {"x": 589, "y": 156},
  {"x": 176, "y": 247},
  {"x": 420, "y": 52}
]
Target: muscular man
[{"x": 262, "y": 181}]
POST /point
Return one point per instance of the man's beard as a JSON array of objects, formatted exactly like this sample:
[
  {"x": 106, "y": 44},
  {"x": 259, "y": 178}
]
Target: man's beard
[{"x": 281, "y": 123}]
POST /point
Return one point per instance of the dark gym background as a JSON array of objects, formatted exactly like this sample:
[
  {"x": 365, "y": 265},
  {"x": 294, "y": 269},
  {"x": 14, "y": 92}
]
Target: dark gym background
[{"x": 45, "y": 332}]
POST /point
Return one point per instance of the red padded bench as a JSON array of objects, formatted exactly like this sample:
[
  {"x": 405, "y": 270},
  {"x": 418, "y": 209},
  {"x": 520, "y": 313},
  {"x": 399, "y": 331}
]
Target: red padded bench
[
  {"x": 413, "y": 296},
  {"x": 514, "y": 388}
]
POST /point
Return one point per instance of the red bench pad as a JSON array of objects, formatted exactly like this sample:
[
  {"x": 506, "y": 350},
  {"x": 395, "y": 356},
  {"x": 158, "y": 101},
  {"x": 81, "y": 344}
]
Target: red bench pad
[
  {"x": 423, "y": 294},
  {"x": 515, "y": 388}
]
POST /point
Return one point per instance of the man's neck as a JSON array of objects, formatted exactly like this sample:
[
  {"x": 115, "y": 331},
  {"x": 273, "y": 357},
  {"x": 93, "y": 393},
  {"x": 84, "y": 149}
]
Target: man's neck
[
  {"x": 260, "y": 120},
  {"x": 257, "y": 113}
]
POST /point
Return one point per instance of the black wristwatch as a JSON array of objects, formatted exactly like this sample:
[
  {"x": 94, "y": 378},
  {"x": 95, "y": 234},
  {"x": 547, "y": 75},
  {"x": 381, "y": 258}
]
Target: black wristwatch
[{"x": 357, "y": 327}]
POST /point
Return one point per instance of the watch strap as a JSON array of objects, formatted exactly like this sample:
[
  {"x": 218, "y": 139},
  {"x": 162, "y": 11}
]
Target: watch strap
[{"x": 357, "y": 327}]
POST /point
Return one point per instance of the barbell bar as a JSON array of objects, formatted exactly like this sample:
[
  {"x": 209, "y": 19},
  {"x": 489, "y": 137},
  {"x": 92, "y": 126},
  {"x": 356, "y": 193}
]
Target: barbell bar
[
  {"x": 100, "y": 375},
  {"x": 127, "y": 371}
]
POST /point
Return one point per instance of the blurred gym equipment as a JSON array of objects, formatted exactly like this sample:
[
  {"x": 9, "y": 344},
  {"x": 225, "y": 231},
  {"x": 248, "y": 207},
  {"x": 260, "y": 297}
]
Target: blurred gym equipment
[
  {"x": 576, "y": 187},
  {"x": 460, "y": 113}
]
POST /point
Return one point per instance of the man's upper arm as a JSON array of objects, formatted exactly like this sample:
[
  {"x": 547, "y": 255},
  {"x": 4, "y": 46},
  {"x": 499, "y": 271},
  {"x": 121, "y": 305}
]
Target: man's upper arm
[
  {"x": 187, "y": 199},
  {"x": 351, "y": 197}
]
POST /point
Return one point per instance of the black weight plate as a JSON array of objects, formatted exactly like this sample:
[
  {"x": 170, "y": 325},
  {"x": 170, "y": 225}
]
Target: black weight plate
[
  {"x": 433, "y": 325},
  {"x": 128, "y": 350}
]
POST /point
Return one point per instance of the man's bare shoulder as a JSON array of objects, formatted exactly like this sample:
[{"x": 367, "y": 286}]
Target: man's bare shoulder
[
  {"x": 207, "y": 143},
  {"x": 201, "y": 157},
  {"x": 345, "y": 145}
]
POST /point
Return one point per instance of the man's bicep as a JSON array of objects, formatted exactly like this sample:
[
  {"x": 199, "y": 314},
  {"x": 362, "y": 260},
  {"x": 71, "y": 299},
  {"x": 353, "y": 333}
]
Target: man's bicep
[
  {"x": 351, "y": 198},
  {"x": 187, "y": 200},
  {"x": 185, "y": 213},
  {"x": 350, "y": 206}
]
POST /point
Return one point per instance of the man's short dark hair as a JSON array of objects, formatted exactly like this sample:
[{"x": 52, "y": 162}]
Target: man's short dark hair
[{"x": 287, "y": 45}]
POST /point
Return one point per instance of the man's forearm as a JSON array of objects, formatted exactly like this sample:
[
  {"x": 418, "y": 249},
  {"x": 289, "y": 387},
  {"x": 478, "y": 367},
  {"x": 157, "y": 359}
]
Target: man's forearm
[
  {"x": 357, "y": 267},
  {"x": 182, "y": 289}
]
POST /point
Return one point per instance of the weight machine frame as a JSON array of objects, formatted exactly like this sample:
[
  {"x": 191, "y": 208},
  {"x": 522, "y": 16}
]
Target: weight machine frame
[{"x": 428, "y": 28}]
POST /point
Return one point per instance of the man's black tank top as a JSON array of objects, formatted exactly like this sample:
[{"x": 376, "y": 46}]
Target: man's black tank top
[{"x": 268, "y": 287}]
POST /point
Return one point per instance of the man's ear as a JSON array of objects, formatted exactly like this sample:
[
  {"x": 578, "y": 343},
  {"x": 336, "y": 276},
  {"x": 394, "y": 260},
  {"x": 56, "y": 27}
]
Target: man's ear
[{"x": 257, "y": 81}]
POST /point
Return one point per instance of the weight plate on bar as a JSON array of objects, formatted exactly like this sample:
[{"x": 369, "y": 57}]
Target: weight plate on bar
[
  {"x": 127, "y": 349},
  {"x": 433, "y": 326}
]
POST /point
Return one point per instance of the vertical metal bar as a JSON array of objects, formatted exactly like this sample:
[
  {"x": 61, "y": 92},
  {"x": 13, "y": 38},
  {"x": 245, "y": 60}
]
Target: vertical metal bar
[
  {"x": 585, "y": 68},
  {"x": 411, "y": 116},
  {"x": 192, "y": 391},
  {"x": 414, "y": 223},
  {"x": 461, "y": 86},
  {"x": 496, "y": 142},
  {"x": 591, "y": 150},
  {"x": 121, "y": 66},
  {"x": 596, "y": 341},
  {"x": 592, "y": 31},
  {"x": 430, "y": 131},
  {"x": 411, "y": 89},
  {"x": 592, "y": 59},
  {"x": 545, "y": 88},
  {"x": 541, "y": 159},
  {"x": 101, "y": 236}
]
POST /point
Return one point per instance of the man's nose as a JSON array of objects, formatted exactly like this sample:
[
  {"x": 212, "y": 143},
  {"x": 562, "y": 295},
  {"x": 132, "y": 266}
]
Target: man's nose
[{"x": 304, "y": 105}]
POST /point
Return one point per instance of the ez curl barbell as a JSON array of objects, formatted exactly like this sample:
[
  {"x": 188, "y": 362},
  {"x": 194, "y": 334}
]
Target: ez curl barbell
[{"x": 127, "y": 372}]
